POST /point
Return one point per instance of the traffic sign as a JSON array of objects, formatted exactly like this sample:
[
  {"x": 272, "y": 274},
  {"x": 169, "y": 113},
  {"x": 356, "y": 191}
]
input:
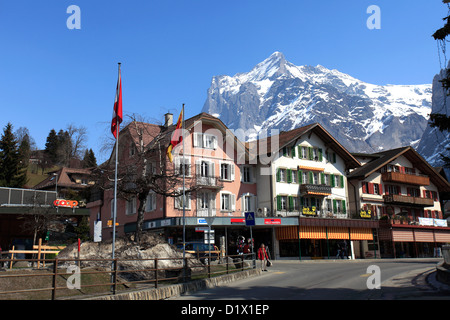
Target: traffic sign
[{"x": 249, "y": 218}]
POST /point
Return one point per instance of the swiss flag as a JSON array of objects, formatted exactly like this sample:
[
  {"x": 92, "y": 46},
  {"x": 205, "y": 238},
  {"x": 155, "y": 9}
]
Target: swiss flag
[{"x": 117, "y": 113}]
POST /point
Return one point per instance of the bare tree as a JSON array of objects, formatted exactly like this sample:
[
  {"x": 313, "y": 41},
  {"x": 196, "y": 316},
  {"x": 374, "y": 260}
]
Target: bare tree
[
  {"x": 78, "y": 136},
  {"x": 145, "y": 169}
]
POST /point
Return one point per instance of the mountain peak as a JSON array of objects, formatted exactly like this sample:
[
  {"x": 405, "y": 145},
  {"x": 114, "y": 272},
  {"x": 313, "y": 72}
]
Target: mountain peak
[{"x": 275, "y": 65}]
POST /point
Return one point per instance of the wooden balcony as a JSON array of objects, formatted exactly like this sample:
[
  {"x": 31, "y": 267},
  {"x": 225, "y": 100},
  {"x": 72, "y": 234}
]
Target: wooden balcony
[
  {"x": 408, "y": 200},
  {"x": 418, "y": 180},
  {"x": 315, "y": 189}
]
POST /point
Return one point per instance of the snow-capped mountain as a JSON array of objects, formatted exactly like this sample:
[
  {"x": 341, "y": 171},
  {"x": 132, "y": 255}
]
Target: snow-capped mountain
[
  {"x": 363, "y": 117},
  {"x": 434, "y": 142}
]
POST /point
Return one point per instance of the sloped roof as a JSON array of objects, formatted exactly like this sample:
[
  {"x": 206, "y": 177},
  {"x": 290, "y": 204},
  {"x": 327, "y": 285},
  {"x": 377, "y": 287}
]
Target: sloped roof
[
  {"x": 385, "y": 157},
  {"x": 64, "y": 176},
  {"x": 287, "y": 138}
]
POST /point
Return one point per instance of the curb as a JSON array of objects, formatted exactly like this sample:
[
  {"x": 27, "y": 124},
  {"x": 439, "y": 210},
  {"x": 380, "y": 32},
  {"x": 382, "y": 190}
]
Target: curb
[{"x": 175, "y": 290}]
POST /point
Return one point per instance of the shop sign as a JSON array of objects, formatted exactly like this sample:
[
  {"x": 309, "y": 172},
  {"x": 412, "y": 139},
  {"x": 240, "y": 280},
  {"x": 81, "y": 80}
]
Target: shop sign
[
  {"x": 65, "y": 203},
  {"x": 309, "y": 211},
  {"x": 272, "y": 221},
  {"x": 365, "y": 214},
  {"x": 237, "y": 220},
  {"x": 201, "y": 221}
]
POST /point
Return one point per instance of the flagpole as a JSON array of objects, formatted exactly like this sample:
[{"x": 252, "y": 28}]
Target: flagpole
[
  {"x": 115, "y": 182},
  {"x": 184, "y": 195}
]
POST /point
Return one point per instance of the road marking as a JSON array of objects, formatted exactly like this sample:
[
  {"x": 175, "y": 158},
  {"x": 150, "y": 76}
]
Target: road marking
[
  {"x": 278, "y": 272},
  {"x": 366, "y": 275}
]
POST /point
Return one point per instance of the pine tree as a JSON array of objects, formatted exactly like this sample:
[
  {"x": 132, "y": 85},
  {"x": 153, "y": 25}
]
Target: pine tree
[
  {"x": 51, "y": 146},
  {"x": 12, "y": 171},
  {"x": 89, "y": 159}
]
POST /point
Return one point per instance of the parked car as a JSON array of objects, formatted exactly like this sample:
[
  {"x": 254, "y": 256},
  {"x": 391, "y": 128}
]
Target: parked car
[{"x": 201, "y": 250}]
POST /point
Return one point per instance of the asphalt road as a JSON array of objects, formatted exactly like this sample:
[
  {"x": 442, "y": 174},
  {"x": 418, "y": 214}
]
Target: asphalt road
[{"x": 330, "y": 280}]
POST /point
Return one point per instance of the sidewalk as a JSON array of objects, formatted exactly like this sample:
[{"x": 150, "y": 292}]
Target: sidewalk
[{"x": 420, "y": 284}]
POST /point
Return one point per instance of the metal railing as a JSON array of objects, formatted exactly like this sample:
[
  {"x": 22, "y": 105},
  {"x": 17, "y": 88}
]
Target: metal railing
[{"x": 151, "y": 272}]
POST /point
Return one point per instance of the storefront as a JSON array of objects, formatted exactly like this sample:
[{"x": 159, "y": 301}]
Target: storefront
[
  {"x": 412, "y": 241},
  {"x": 230, "y": 233},
  {"x": 317, "y": 238}
]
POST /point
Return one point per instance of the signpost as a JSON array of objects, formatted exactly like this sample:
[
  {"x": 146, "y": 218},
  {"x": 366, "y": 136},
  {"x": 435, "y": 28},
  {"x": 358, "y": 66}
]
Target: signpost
[{"x": 250, "y": 221}]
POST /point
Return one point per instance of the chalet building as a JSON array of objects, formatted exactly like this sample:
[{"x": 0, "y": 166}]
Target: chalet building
[
  {"x": 306, "y": 180},
  {"x": 69, "y": 183},
  {"x": 404, "y": 193}
]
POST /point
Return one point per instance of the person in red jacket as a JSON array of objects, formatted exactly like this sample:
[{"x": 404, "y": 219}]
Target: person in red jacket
[{"x": 263, "y": 257}]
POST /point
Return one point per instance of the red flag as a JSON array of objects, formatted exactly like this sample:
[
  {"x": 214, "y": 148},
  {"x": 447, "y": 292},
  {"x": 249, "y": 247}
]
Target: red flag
[
  {"x": 177, "y": 137},
  {"x": 117, "y": 113}
]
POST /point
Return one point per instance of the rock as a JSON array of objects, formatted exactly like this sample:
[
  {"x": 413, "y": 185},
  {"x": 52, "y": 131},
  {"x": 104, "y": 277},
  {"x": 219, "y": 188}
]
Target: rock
[{"x": 132, "y": 257}]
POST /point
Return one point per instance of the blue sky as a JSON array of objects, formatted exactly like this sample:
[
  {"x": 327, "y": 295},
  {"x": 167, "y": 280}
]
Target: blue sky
[{"x": 52, "y": 76}]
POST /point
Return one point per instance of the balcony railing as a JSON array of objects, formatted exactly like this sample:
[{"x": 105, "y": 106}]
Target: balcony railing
[
  {"x": 406, "y": 178},
  {"x": 408, "y": 200},
  {"x": 211, "y": 182},
  {"x": 318, "y": 189}
]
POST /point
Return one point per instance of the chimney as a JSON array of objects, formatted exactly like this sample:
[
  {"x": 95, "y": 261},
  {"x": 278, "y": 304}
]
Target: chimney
[{"x": 168, "y": 120}]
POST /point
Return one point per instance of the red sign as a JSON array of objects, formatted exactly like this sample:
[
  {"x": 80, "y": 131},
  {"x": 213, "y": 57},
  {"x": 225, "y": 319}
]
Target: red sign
[
  {"x": 238, "y": 220},
  {"x": 272, "y": 221},
  {"x": 65, "y": 203}
]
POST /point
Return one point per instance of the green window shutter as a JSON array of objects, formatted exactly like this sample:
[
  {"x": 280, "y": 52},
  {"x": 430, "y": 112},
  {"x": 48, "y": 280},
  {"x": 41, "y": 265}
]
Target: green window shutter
[
  {"x": 334, "y": 206},
  {"x": 320, "y": 155},
  {"x": 293, "y": 152},
  {"x": 332, "y": 180},
  {"x": 278, "y": 175},
  {"x": 322, "y": 178},
  {"x": 291, "y": 203},
  {"x": 310, "y": 177},
  {"x": 310, "y": 153},
  {"x": 299, "y": 151},
  {"x": 278, "y": 203},
  {"x": 300, "y": 177},
  {"x": 343, "y": 207},
  {"x": 342, "y": 181},
  {"x": 289, "y": 175}
]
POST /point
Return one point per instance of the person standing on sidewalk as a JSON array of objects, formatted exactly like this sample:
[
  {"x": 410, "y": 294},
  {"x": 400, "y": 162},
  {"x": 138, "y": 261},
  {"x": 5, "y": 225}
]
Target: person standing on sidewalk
[{"x": 263, "y": 257}]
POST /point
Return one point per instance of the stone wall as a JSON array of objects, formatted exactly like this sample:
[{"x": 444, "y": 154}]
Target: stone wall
[
  {"x": 166, "y": 292},
  {"x": 443, "y": 268}
]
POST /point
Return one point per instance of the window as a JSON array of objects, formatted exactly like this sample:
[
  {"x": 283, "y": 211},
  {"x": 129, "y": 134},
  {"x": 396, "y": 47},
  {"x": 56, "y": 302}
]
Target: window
[
  {"x": 293, "y": 203},
  {"x": 247, "y": 174},
  {"x": 294, "y": 176},
  {"x": 328, "y": 205},
  {"x": 249, "y": 203},
  {"x": 179, "y": 201},
  {"x": 393, "y": 189},
  {"x": 305, "y": 177},
  {"x": 304, "y": 152},
  {"x": 227, "y": 202},
  {"x": 131, "y": 206},
  {"x": 227, "y": 171},
  {"x": 178, "y": 166},
  {"x": 150, "y": 205},
  {"x": 204, "y": 200},
  {"x": 282, "y": 204},
  {"x": 281, "y": 175},
  {"x": 204, "y": 140}
]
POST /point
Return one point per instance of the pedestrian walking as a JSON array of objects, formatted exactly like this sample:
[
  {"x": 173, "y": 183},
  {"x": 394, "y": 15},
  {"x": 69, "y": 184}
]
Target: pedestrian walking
[{"x": 263, "y": 257}]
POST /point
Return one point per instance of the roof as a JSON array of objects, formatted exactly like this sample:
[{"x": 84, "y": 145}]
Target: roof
[
  {"x": 64, "y": 176},
  {"x": 385, "y": 157},
  {"x": 287, "y": 138}
]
